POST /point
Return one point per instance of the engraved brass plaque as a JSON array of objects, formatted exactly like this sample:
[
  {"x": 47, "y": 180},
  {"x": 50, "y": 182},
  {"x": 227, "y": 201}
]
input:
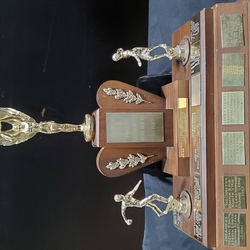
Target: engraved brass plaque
[
  {"x": 198, "y": 225},
  {"x": 232, "y": 30},
  {"x": 134, "y": 127},
  {"x": 233, "y": 148},
  {"x": 233, "y": 69},
  {"x": 197, "y": 191},
  {"x": 233, "y": 107},
  {"x": 183, "y": 131},
  {"x": 234, "y": 192},
  {"x": 195, "y": 90},
  {"x": 235, "y": 229},
  {"x": 196, "y": 138}
]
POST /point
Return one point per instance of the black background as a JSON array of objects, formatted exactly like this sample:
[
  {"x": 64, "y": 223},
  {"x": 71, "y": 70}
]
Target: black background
[{"x": 55, "y": 55}]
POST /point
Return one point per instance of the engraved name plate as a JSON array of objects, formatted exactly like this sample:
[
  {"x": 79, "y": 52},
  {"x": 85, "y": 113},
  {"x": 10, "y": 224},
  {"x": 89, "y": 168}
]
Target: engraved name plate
[
  {"x": 198, "y": 224},
  {"x": 234, "y": 192},
  {"x": 196, "y": 138},
  {"x": 233, "y": 107},
  {"x": 234, "y": 229},
  {"x": 232, "y": 30},
  {"x": 134, "y": 127},
  {"x": 197, "y": 191},
  {"x": 233, "y": 148},
  {"x": 195, "y": 90},
  {"x": 183, "y": 138},
  {"x": 233, "y": 69}
]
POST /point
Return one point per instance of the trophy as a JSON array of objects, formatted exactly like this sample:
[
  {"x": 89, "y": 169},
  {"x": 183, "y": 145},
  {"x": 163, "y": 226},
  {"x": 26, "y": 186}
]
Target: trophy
[{"x": 209, "y": 97}]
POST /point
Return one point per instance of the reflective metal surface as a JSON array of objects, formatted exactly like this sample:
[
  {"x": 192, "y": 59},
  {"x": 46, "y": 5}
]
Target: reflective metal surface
[
  {"x": 235, "y": 192},
  {"x": 232, "y": 30},
  {"x": 134, "y": 127},
  {"x": 235, "y": 229},
  {"x": 128, "y": 97},
  {"x": 183, "y": 127},
  {"x": 131, "y": 161},
  {"x": 233, "y": 108},
  {"x": 23, "y": 127},
  {"x": 180, "y": 52},
  {"x": 233, "y": 148},
  {"x": 181, "y": 205},
  {"x": 233, "y": 69}
]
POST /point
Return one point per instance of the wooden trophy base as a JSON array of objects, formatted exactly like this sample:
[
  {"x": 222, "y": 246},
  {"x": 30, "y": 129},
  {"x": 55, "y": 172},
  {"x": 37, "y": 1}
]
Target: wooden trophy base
[{"x": 215, "y": 168}]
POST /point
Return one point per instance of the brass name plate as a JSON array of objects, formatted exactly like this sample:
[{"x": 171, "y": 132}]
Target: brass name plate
[
  {"x": 233, "y": 69},
  {"x": 232, "y": 30},
  {"x": 183, "y": 131},
  {"x": 196, "y": 138},
  {"x": 233, "y": 148},
  {"x": 233, "y": 107},
  {"x": 235, "y": 229},
  {"x": 235, "y": 192},
  {"x": 135, "y": 127}
]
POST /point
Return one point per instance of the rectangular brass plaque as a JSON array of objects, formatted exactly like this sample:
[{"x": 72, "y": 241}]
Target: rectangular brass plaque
[
  {"x": 183, "y": 129},
  {"x": 197, "y": 191},
  {"x": 135, "y": 127},
  {"x": 198, "y": 225},
  {"x": 235, "y": 192},
  {"x": 232, "y": 30},
  {"x": 233, "y": 69},
  {"x": 195, "y": 90},
  {"x": 233, "y": 107},
  {"x": 196, "y": 138},
  {"x": 233, "y": 148},
  {"x": 235, "y": 229}
]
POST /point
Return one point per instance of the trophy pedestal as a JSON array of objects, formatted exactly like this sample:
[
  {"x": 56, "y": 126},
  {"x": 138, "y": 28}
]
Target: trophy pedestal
[{"x": 217, "y": 179}]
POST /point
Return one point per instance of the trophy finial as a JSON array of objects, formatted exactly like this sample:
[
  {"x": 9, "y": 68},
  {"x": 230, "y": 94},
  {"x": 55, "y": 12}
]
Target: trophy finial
[
  {"x": 24, "y": 127},
  {"x": 180, "y": 52}
]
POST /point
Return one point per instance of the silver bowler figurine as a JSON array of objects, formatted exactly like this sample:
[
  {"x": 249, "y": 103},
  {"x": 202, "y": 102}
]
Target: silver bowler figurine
[
  {"x": 180, "y": 52},
  {"x": 128, "y": 200}
]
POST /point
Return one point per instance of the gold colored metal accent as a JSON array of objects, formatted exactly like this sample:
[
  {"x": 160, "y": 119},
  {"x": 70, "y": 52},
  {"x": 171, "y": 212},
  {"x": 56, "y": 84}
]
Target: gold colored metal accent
[
  {"x": 233, "y": 111},
  {"x": 233, "y": 69},
  {"x": 131, "y": 161},
  {"x": 198, "y": 232},
  {"x": 181, "y": 205},
  {"x": 128, "y": 97},
  {"x": 235, "y": 192},
  {"x": 134, "y": 127},
  {"x": 183, "y": 128},
  {"x": 196, "y": 138},
  {"x": 23, "y": 127},
  {"x": 233, "y": 148},
  {"x": 180, "y": 52},
  {"x": 232, "y": 30},
  {"x": 235, "y": 229}
]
